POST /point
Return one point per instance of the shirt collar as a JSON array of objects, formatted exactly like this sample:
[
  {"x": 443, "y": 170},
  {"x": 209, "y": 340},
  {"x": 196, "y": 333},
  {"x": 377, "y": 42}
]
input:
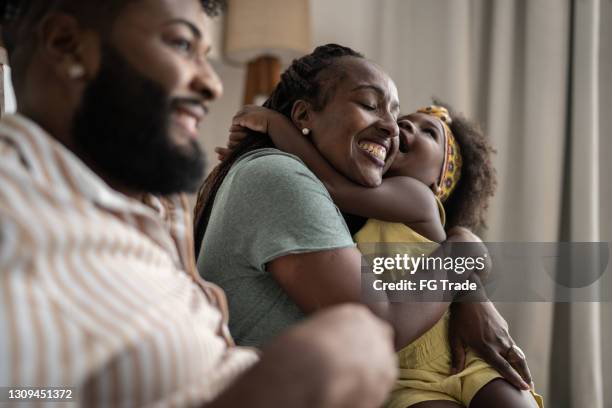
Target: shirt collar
[{"x": 87, "y": 183}]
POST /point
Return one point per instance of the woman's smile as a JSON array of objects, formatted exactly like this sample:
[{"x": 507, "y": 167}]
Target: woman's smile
[{"x": 373, "y": 150}]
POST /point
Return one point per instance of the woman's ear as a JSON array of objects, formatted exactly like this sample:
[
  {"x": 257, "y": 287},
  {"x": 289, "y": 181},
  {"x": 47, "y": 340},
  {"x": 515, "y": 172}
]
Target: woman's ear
[{"x": 301, "y": 114}]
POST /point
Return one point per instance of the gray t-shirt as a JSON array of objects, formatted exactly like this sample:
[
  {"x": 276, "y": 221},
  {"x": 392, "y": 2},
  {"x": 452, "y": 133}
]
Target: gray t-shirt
[{"x": 269, "y": 205}]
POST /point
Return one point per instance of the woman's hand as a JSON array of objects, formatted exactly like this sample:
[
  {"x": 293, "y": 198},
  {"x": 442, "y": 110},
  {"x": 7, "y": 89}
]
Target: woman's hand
[
  {"x": 481, "y": 327},
  {"x": 250, "y": 117}
]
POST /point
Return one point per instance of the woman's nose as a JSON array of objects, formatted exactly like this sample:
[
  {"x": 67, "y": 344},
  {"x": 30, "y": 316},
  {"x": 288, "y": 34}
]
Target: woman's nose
[{"x": 388, "y": 126}]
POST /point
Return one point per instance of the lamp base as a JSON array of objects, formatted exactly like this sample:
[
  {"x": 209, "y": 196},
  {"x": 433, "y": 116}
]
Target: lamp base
[{"x": 263, "y": 74}]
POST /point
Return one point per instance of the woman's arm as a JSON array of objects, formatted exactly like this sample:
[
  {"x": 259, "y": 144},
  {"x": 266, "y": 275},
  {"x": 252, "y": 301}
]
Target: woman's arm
[
  {"x": 397, "y": 199},
  {"x": 316, "y": 280}
]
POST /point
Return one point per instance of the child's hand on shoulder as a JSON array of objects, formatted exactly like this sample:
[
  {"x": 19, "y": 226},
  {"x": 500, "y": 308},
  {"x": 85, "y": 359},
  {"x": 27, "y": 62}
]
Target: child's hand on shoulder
[
  {"x": 250, "y": 117},
  {"x": 255, "y": 118}
]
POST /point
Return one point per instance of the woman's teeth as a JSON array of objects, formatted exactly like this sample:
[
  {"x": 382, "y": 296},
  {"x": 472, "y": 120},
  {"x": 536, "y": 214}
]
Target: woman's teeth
[{"x": 374, "y": 149}]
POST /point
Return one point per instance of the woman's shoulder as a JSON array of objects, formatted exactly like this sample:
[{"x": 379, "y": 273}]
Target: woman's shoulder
[
  {"x": 271, "y": 165},
  {"x": 268, "y": 157}
]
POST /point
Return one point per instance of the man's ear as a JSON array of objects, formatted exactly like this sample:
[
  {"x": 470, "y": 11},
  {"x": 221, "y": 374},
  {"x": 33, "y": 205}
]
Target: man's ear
[
  {"x": 74, "y": 53},
  {"x": 301, "y": 114}
]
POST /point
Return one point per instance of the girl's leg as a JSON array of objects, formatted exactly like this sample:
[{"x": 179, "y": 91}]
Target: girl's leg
[
  {"x": 501, "y": 394},
  {"x": 437, "y": 404}
]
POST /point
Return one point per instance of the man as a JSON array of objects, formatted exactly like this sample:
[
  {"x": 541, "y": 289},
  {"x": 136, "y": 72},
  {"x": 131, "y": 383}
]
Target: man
[{"x": 98, "y": 287}]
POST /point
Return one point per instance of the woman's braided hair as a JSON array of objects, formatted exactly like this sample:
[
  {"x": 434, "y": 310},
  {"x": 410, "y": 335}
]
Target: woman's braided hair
[{"x": 306, "y": 79}]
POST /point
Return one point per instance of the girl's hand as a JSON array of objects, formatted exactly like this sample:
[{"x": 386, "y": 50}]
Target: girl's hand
[
  {"x": 250, "y": 117},
  {"x": 237, "y": 135},
  {"x": 254, "y": 117}
]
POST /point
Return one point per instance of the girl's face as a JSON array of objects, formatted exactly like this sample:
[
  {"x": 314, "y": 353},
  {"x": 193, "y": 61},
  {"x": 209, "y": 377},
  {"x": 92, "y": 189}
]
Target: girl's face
[
  {"x": 357, "y": 130},
  {"x": 421, "y": 148}
]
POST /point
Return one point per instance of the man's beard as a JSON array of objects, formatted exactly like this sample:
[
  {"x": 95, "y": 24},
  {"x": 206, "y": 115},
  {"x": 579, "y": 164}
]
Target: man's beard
[{"x": 122, "y": 129}]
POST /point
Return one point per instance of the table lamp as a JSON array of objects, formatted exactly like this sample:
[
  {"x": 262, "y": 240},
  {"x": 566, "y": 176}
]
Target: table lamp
[{"x": 264, "y": 35}]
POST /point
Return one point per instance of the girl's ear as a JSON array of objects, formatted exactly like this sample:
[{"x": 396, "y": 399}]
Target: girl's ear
[{"x": 301, "y": 114}]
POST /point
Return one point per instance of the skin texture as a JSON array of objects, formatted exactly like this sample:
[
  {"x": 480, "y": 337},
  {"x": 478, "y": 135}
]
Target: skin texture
[
  {"x": 498, "y": 393},
  {"x": 502, "y": 395},
  {"x": 160, "y": 40}
]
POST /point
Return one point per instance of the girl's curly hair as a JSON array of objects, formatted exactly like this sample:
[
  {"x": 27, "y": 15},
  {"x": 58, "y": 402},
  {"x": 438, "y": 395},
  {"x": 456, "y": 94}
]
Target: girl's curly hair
[{"x": 468, "y": 204}]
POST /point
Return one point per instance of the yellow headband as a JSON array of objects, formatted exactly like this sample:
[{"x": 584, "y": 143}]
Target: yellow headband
[{"x": 451, "y": 168}]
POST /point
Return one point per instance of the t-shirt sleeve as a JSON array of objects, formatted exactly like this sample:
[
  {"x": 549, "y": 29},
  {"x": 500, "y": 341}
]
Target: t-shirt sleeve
[{"x": 281, "y": 208}]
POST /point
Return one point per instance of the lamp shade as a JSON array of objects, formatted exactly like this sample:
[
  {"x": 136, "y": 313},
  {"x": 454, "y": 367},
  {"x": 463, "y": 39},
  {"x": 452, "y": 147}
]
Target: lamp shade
[{"x": 277, "y": 28}]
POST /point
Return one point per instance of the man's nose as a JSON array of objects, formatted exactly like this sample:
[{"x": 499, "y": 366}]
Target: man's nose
[{"x": 206, "y": 82}]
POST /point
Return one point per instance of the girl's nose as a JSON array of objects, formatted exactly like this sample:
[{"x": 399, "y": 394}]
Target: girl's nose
[{"x": 407, "y": 134}]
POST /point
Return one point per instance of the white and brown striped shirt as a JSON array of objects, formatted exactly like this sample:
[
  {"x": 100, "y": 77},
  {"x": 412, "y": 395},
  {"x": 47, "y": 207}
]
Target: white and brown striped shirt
[{"x": 99, "y": 291}]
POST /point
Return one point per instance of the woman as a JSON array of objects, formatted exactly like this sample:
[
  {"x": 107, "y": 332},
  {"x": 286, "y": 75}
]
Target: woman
[{"x": 276, "y": 242}]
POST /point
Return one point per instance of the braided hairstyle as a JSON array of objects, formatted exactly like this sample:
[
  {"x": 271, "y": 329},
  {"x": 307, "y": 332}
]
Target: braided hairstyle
[
  {"x": 468, "y": 204},
  {"x": 310, "y": 78}
]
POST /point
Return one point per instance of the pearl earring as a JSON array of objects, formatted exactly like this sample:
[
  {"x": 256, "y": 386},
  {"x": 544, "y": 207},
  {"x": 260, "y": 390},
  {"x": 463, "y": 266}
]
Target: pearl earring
[
  {"x": 305, "y": 131},
  {"x": 76, "y": 71}
]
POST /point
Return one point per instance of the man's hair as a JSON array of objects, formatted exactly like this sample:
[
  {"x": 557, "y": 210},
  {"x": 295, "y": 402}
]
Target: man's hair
[
  {"x": 309, "y": 78},
  {"x": 18, "y": 19},
  {"x": 468, "y": 204}
]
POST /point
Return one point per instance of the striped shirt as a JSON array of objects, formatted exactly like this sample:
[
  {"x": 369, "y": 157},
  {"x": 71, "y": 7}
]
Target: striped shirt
[{"x": 99, "y": 291}]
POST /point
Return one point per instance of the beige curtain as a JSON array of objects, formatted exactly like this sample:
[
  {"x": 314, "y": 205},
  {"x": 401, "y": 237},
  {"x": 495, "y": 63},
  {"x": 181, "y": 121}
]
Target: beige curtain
[{"x": 536, "y": 73}]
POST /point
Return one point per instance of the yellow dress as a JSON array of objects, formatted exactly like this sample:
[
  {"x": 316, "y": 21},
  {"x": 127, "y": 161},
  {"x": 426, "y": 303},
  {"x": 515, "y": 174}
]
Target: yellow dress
[{"x": 425, "y": 363}]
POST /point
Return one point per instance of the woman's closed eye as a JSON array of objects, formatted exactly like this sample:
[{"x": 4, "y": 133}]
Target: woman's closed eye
[{"x": 368, "y": 106}]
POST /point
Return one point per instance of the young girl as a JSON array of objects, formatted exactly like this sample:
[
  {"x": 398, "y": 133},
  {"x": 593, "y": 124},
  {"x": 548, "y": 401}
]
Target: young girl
[{"x": 442, "y": 173}]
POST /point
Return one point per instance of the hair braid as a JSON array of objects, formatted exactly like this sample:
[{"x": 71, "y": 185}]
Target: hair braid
[{"x": 301, "y": 81}]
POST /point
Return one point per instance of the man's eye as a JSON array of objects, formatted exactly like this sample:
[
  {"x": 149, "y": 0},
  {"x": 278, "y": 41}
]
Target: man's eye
[{"x": 181, "y": 44}]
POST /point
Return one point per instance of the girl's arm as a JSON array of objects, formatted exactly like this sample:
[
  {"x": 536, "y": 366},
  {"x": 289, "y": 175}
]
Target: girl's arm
[{"x": 397, "y": 199}]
